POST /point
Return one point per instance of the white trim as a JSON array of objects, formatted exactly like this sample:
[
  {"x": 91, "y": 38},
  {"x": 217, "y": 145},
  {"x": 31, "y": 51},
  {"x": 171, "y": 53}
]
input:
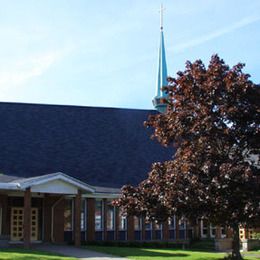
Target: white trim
[
  {"x": 101, "y": 195},
  {"x": 9, "y": 186},
  {"x": 57, "y": 176}
]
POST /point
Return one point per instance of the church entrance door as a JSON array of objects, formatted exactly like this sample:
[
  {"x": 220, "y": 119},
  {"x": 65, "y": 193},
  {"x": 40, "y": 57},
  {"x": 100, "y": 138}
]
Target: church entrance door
[{"x": 17, "y": 219}]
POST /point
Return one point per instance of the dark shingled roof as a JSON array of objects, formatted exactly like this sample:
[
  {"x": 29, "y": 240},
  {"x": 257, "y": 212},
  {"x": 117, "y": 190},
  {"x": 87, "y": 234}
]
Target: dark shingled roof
[
  {"x": 106, "y": 147},
  {"x": 6, "y": 178}
]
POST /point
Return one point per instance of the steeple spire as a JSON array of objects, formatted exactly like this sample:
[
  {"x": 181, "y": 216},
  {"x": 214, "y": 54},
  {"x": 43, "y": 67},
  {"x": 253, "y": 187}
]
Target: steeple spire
[
  {"x": 161, "y": 16},
  {"x": 162, "y": 71}
]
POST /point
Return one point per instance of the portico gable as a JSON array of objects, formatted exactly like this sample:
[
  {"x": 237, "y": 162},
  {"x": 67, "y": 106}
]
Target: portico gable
[{"x": 23, "y": 214}]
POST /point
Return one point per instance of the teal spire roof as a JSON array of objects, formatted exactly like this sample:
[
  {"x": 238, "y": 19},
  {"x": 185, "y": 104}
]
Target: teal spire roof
[
  {"x": 162, "y": 69},
  {"x": 158, "y": 100}
]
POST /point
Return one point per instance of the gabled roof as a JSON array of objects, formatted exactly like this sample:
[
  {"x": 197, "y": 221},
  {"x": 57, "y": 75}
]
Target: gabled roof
[
  {"x": 24, "y": 183},
  {"x": 29, "y": 182},
  {"x": 14, "y": 182},
  {"x": 106, "y": 147}
]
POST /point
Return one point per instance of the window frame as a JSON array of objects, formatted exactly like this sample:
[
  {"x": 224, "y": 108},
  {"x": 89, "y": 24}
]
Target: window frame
[
  {"x": 72, "y": 216},
  {"x": 202, "y": 228},
  {"x": 172, "y": 227},
  {"x": 101, "y": 215},
  {"x": 113, "y": 218},
  {"x": 85, "y": 215},
  {"x": 139, "y": 225},
  {"x": 184, "y": 221},
  {"x": 120, "y": 218},
  {"x": 211, "y": 228}
]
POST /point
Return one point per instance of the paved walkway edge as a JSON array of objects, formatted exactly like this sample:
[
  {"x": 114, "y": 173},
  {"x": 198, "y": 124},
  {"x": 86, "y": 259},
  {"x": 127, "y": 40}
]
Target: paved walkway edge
[{"x": 80, "y": 253}]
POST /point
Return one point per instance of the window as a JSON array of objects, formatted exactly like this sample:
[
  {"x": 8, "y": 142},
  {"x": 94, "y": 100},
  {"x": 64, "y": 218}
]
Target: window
[
  {"x": 242, "y": 233},
  {"x": 212, "y": 231},
  {"x": 250, "y": 233},
  {"x": 110, "y": 217},
  {"x": 68, "y": 215},
  {"x": 157, "y": 226},
  {"x": 122, "y": 221},
  {"x": 98, "y": 215},
  {"x": 148, "y": 226},
  {"x": 182, "y": 224},
  {"x": 204, "y": 228},
  {"x": 223, "y": 231},
  {"x": 171, "y": 223},
  {"x": 83, "y": 215},
  {"x": 137, "y": 223}
]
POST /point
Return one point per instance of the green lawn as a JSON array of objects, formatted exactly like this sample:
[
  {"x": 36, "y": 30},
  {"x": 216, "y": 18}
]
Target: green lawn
[
  {"x": 23, "y": 254},
  {"x": 162, "y": 254}
]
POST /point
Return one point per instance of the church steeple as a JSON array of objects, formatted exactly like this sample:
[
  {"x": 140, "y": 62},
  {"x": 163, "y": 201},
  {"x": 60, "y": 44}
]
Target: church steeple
[{"x": 162, "y": 72}]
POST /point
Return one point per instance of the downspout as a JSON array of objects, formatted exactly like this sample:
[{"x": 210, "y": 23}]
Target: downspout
[{"x": 52, "y": 217}]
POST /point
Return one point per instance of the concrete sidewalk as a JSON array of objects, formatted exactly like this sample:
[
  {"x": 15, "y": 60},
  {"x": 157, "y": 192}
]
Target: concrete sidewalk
[{"x": 80, "y": 253}]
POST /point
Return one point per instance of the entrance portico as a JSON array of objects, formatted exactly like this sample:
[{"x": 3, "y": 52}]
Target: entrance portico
[{"x": 33, "y": 207}]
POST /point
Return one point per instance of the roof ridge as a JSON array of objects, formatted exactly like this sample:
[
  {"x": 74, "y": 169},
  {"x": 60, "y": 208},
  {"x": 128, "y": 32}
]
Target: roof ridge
[{"x": 73, "y": 106}]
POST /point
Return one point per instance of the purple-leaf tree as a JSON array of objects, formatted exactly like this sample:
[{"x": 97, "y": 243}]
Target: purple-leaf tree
[{"x": 213, "y": 120}]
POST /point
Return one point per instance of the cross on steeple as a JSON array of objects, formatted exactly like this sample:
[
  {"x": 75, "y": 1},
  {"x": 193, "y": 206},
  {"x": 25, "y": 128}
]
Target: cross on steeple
[
  {"x": 161, "y": 94},
  {"x": 161, "y": 16}
]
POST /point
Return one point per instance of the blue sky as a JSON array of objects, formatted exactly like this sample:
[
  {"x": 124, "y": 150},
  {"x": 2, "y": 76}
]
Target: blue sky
[{"x": 104, "y": 53}]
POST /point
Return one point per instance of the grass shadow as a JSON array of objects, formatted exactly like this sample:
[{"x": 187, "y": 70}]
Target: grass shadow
[
  {"x": 28, "y": 254},
  {"x": 153, "y": 253}
]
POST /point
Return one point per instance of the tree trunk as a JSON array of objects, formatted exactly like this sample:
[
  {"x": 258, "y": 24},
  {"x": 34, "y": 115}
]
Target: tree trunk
[{"x": 236, "y": 244}]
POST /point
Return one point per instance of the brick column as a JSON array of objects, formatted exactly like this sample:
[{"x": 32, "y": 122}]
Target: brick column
[
  {"x": 90, "y": 219},
  {"x": 27, "y": 218},
  {"x": 116, "y": 223},
  {"x": 218, "y": 232},
  {"x": 47, "y": 218},
  {"x": 130, "y": 228},
  {"x": 105, "y": 219},
  {"x": 196, "y": 229},
  {"x": 5, "y": 218},
  {"x": 229, "y": 232},
  {"x": 77, "y": 235},
  {"x": 58, "y": 221},
  {"x": 165, "y": 230}
]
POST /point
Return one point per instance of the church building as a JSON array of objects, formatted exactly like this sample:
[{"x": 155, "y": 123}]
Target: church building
[{"x": 61, "y": 166}]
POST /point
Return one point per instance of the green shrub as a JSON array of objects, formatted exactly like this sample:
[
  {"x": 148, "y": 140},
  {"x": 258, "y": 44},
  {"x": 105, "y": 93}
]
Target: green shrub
[{"x": 256, "y": 235}]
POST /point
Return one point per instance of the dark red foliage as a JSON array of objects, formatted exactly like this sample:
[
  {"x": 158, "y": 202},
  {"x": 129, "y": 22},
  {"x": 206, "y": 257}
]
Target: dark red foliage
[{"x": 213, "y": 120}]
